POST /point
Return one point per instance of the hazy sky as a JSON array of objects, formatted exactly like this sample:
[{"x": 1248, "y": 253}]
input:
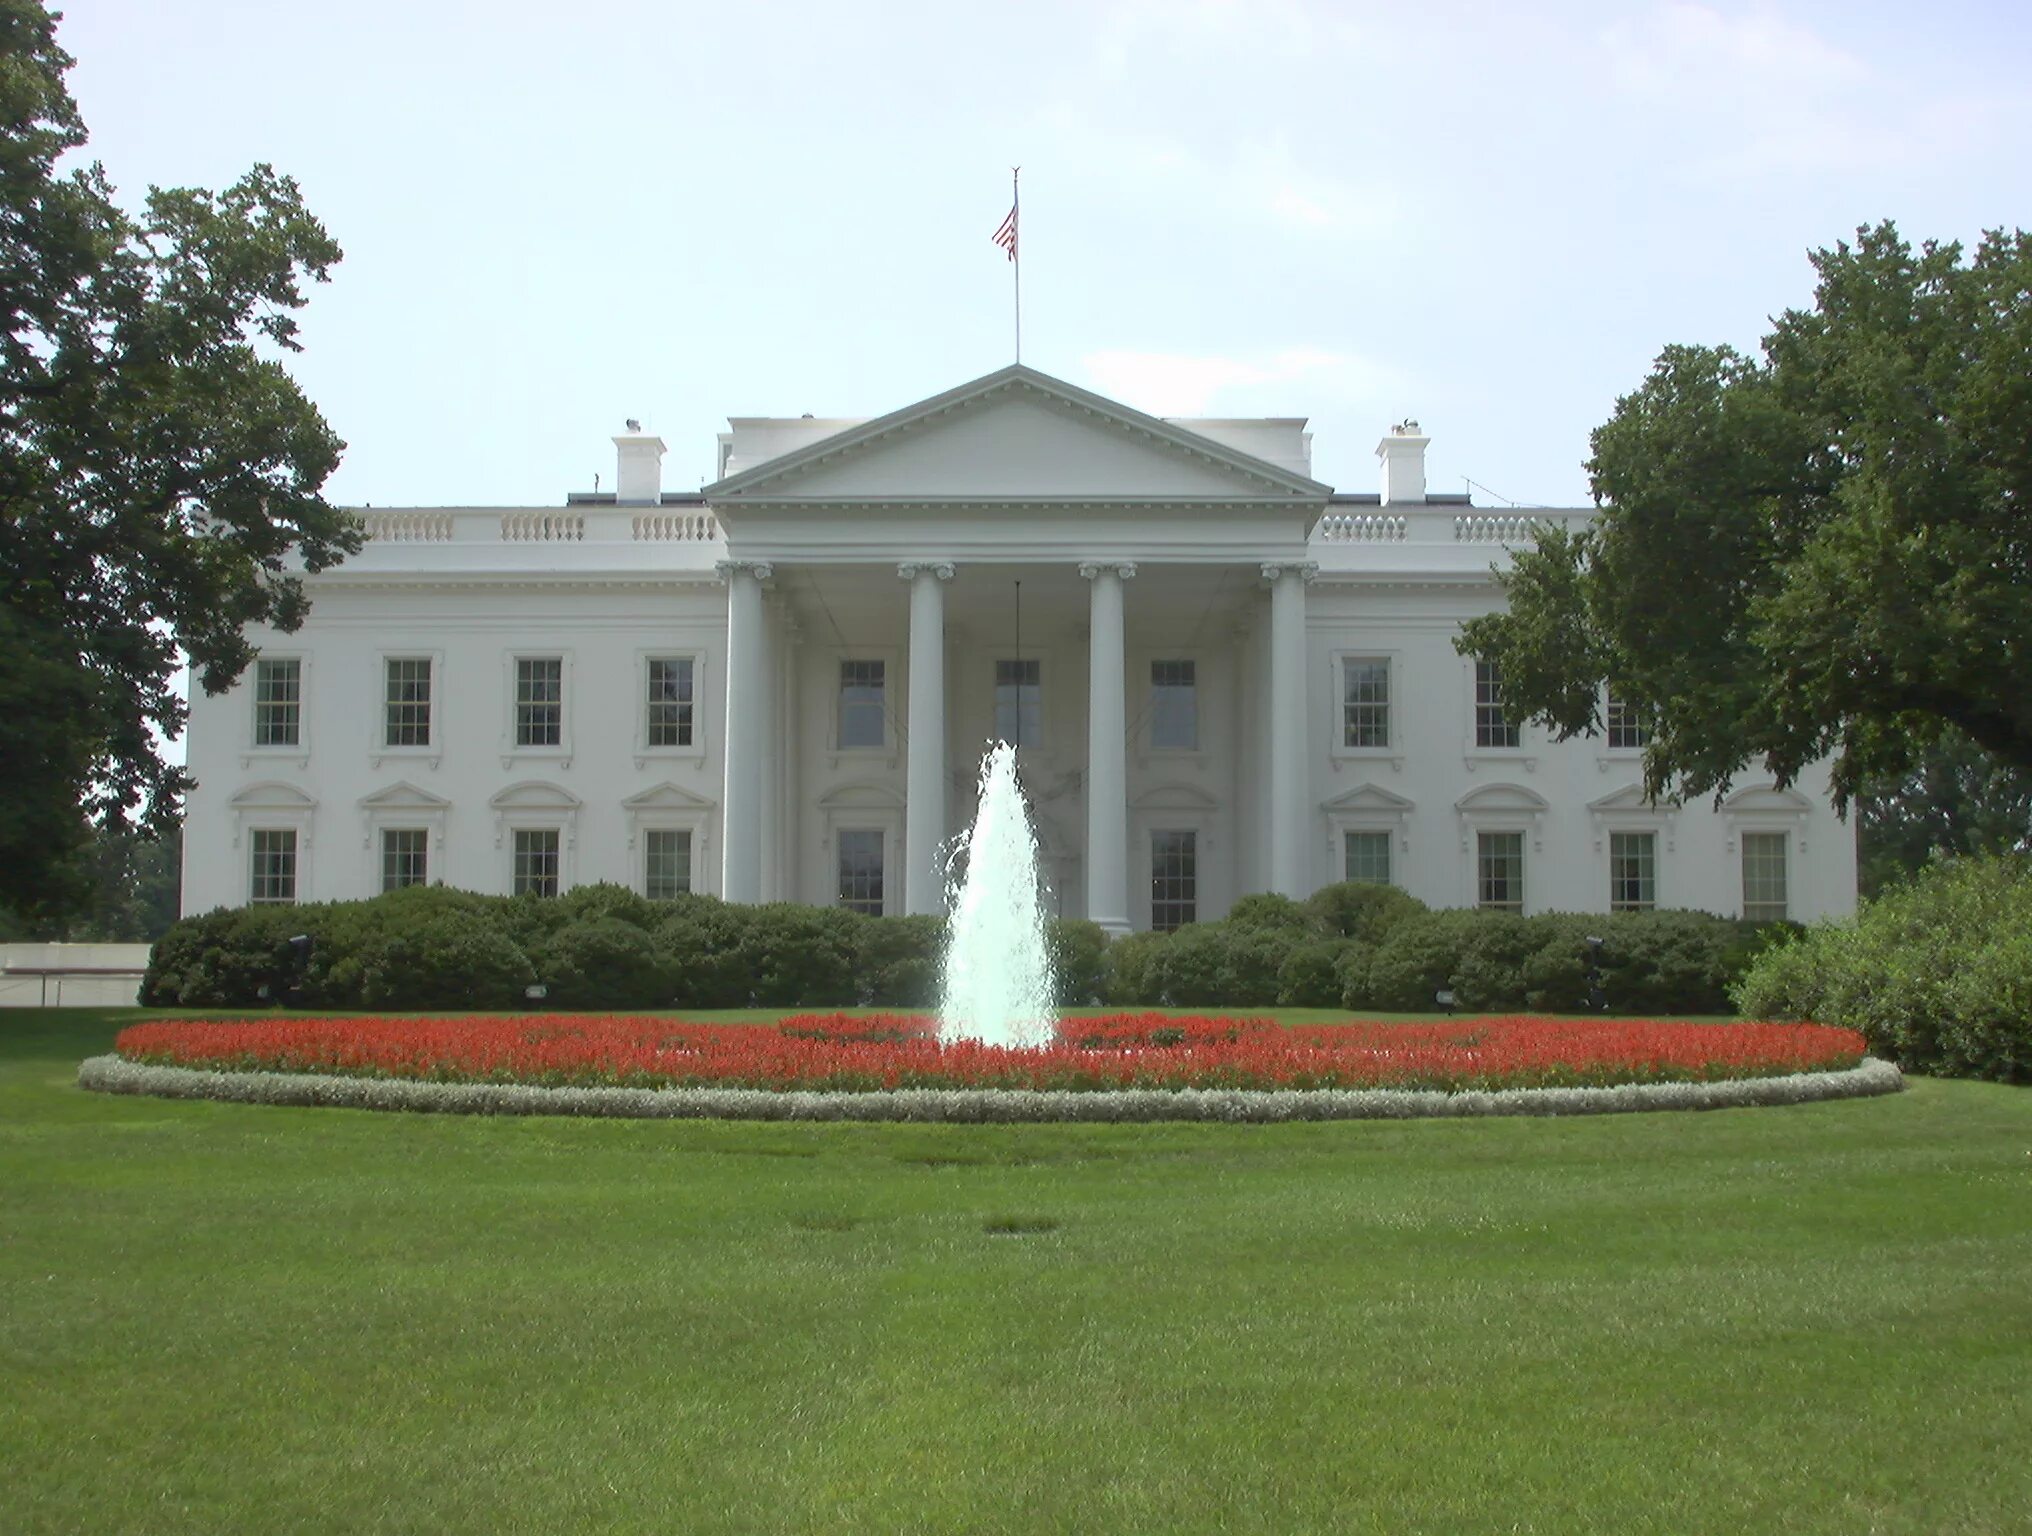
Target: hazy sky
[{"x": 1490, "y": 217}]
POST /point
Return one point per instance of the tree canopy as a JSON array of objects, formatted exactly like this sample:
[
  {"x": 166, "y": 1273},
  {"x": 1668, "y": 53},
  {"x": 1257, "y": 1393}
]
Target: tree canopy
[
  {"x": 158, "y": 465},
  {"x": 1823, "y": 550}
]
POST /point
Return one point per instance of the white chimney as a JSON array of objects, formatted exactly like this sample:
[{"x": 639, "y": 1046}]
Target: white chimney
[
  {"x": 638, "y": 480},
  {"x": 1402, "y": 455}
]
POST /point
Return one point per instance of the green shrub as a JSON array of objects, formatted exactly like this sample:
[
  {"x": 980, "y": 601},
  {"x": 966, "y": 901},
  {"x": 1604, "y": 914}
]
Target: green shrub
[
  {"x": 1311, "y": 974},
  {"x": 1208, "y": 965},
  {"x": 1936, "y": 973},
  {"x": 700, "y": 938},
  {"x": 901, "y": 961},
  {"x": 589, "y": 903},
  {"x": 603, "y": 962},
  {"x": 1079, "y": 960},
  {"x": 1555, "y": 974},
  {"x": 1418, "y": 959},
  {"x": 1358, "y": 910},
  {"x": 1667, "y": 962},
  {"x": 1268, "y": 910},
  {"x": 452, "y": 959},
  {"x": 1132, "y": 980},
  {"x": 1488, "y": 971},
  {"x": 800, "y": 957},
  {"x": 232, "y": 957}
]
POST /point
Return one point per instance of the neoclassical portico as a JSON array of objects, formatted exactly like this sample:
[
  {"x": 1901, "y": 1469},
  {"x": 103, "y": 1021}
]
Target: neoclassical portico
[{"x": 1013, "y": 473}]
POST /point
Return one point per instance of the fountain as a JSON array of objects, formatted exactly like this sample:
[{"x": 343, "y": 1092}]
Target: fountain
[{"x": 998, "y": 985}]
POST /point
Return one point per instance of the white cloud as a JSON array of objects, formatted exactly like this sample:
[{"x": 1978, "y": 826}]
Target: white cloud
[{"x": 1184, "y": 384}]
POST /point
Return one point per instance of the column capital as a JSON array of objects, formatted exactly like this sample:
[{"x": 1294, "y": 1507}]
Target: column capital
[
  {"x": 1125, "y": 570},
  {"x": 1306, "y": 570},
  {"x": 761, "y": 570},
  {"x": 908, "y": 569}
]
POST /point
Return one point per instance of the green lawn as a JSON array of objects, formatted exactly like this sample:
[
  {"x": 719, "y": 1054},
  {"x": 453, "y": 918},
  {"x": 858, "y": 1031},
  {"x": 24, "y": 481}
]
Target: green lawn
[{"x": 231, "y": 1318}]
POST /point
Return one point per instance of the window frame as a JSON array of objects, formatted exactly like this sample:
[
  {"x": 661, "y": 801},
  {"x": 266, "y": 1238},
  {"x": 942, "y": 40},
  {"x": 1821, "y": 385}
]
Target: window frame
[
  {"x": 887, "y": 744},
  {"x": 691, "y": 860},
  {"x": 1648, "y": 878},
  {"x": 1611, "y": 706},
  {"x": 1476, "y": 705},
  {"x": 883, "y": 900},
  {"x": 381, "y": 836},
  {"x": 1192, "y": 902},
  {"x": 1482, "y": 904},
  {"x": 1149, "y": 664},
  {"x": 382, "y": 749},
  {"x": 996, "y": 659},
  {"x": 513, "y": 749},
  {"x": 516, "y": 835},
  {"x": 255, "y": 834},
  {"x": 701, "y": 716},
  {"x": 1781, "y": 840},
  {"x": 1388, "y": 839},
  {"x": 252, "y": 748}
]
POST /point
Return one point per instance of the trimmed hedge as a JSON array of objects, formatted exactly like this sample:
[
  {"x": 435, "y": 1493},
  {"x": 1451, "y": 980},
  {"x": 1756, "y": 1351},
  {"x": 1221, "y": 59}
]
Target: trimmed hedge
[
  {"x": 1936, "y": 974},
  {"x": 1364, "y": 948}
]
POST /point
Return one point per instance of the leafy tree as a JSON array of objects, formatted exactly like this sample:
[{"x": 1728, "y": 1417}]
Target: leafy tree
[
  {"x": 158, "y": 465},
  {"x": 1824, "y": 550},
  {"x": 1956, "y": 799}
]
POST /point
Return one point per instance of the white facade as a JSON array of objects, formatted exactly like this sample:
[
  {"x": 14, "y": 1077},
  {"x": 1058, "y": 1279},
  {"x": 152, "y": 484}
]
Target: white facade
[{"x": 1243, "y": 681}]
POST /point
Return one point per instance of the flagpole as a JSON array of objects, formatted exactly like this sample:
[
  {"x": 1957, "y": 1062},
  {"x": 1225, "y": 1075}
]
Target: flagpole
[{"x": 1016, "y": 252}]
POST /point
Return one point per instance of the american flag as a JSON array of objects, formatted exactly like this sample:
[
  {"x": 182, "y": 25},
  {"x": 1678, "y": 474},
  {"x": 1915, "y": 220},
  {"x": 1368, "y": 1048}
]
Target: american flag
[{"x": 1006, "y": 235}]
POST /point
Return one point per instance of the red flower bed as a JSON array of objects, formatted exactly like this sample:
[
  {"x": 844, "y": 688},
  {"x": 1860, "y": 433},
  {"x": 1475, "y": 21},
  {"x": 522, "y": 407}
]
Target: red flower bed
[{"x": 841, "y": 1052}]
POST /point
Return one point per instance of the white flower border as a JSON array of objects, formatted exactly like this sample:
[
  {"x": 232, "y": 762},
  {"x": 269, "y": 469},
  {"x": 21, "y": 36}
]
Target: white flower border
[{"x": 112, "y": 1074}]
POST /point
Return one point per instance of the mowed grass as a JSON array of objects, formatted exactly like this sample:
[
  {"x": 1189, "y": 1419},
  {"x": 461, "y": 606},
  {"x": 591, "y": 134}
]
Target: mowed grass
[{"x": 236, "y": 1318}]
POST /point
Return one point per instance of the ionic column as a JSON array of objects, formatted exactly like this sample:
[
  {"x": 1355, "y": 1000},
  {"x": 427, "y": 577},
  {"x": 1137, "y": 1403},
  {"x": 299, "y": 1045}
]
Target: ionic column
[
  {"x": 1290, "y": 737},
  {"x": 748, "y": 705},
  {"x": 924, "y": 786},
  {"x": 1107, "y": 751}
]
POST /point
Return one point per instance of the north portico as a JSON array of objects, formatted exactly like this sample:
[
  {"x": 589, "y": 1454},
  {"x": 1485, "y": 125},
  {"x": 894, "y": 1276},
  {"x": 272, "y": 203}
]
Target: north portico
[
  {"x": 1223, "y": 676},
  {"x": 1014, "y": 489}
]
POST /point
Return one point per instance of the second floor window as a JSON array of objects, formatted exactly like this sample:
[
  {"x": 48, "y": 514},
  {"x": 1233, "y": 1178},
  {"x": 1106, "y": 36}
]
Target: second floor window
[
  {"x": 1019, "y": 703},
  {"x": 1365, "y": 702},
  {"x": 278, "y": 702},
  {"x": 1491, "y": 728},
  {"x": 1625, "y": 726},
  {"x": 406, "y": 701},
  {"x": 1174, "y": 705},
  {"x": 670, "y": 701},
  {"x": 539, "y": 701},
  {"x": 863, "y": 704}
]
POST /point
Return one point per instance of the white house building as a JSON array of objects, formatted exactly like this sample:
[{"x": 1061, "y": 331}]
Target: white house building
[{"x": 1221, "y": 675}]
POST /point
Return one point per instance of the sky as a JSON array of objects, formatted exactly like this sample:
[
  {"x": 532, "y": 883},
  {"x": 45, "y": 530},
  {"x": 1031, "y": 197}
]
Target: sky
[{"x": 1488, "y": 217}]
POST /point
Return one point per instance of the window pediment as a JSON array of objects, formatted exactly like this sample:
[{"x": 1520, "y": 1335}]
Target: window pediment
[
  {"x": 1368, "y": 800},
  {"x": 1175, "y": 797},
  {"x": 272, "y": 795},
  {"x": 534, "y": 795},
  {"x": 667, "y": 797}
]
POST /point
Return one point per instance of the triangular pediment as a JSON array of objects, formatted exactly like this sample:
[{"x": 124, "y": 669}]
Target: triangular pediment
[
  {"x": 403, "y": 796},
  {"x": 1630, "y": 798},
  {"x": 863, "y": 796},
  {"x": 1369, "y": 800},
  {"x": 1767, "y": 799},
  {"x": 1176, "y": 797},
  {"x": 1016, "y": 436},
  {"x": 666, "y": 797},
  {"x": 272, "y": 795}
]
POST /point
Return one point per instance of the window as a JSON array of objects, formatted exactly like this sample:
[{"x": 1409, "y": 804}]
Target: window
[
  {"x": 1764, "y": 876},
  {"x": 539, "y": 701},
  {"x": 1491, "y": 729},
  {"x": 1365, "y": 702},
  {"x": 667, "y": 872},
  {"x": 406, "y": 702},
  {"x": 278, "y": 703},
  {"x": 1019, "y": 702},
  {"x": 1368, "y": 857},
  {"x": 862, "y": 704},
  {"x": 1174, "y": 880},
  {"x": 670, "y": 701},
  {"x": 1626, "y": 727},
  {"x": 274, "y": 873},
  {"x": 1174, "y": 706},
  {"x": 1499, "y": 871},
  {"x": 1633, "y": 871},
  {"x": 405, "y": 857},
  {"x": 536, "y": 861},
  {"x": 861, "y": 870}
]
